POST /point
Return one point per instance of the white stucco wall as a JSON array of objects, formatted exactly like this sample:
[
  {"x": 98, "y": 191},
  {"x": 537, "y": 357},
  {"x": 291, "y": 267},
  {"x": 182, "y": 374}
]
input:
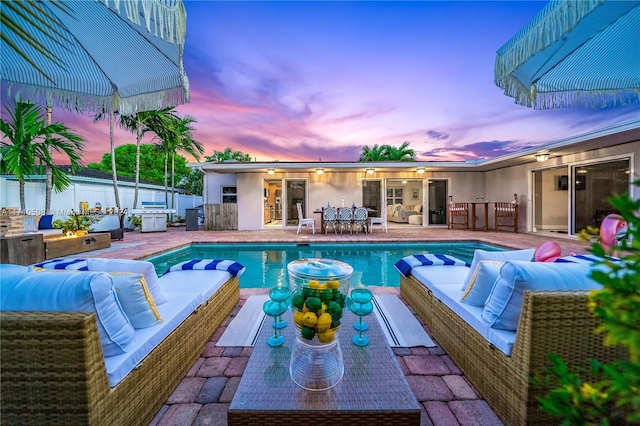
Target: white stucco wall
[{"x": 496, "y": 185}]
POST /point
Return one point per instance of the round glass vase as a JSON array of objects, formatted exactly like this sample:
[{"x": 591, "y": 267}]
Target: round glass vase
[{"x": 319, "y": 288}]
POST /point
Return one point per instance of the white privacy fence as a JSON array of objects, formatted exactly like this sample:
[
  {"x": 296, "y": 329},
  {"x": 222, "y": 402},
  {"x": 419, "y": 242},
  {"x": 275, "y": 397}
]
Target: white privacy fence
[{"x": 91, "y": 191}]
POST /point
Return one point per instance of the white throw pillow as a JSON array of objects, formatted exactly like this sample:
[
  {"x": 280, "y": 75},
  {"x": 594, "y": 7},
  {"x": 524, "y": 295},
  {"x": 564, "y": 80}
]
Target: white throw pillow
[
  {"x": 503, "y": 306},
  {"x": 136, "y": 299},
  {"x": 138, "y": 266},
  {"x": 481, "y": 283},
  {"x": 71, "y": 291},
  {"x": 501, "y": 256}
]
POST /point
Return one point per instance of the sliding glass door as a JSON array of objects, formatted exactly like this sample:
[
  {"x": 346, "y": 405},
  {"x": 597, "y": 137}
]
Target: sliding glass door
[
  {"x": 593, "y": 184},
  {"x": 295, "y": 192},
  {"x": 371, "y": 196}
]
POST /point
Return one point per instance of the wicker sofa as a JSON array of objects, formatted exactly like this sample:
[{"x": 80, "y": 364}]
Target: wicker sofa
[
  {"x": 54, "y": 371},
  {"x": 549, "y": 322}
]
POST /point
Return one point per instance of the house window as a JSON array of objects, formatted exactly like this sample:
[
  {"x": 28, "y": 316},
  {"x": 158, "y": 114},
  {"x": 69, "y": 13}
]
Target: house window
[
  {"x": 229, "y": 195},
  {"x": 394, "y": 196}
]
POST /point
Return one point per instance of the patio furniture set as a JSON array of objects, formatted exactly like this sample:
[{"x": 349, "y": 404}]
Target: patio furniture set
[{"x": 505, "y": 214}]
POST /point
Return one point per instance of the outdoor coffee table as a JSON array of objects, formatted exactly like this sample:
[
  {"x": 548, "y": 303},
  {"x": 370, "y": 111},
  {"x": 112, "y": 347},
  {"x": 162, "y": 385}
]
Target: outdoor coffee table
[{"x": 373, "y": 390}]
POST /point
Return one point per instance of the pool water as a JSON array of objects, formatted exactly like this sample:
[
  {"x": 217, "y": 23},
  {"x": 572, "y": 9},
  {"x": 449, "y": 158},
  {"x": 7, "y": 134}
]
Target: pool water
[{"x": 266, "y": 264}]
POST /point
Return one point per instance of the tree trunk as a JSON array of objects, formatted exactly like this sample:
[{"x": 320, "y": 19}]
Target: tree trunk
[
  {"x": 138, "y": 140},
  {"x": 22, "y": 206},
  {"x": 166, "y": 191},
  {"x": 113, "y": 159},
  {"x": 173, "y": 181},
  {"x": 49, "y": 175}
]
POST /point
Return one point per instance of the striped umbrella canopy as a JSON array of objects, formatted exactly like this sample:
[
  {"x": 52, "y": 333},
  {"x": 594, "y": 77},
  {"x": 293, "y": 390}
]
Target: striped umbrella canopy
[
  {"x": 105, "y": 55},
  {"x": 574, "y": 54}
]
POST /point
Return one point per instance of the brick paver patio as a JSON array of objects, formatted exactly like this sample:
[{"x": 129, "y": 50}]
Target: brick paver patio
[{"x": 203, "y": 396}]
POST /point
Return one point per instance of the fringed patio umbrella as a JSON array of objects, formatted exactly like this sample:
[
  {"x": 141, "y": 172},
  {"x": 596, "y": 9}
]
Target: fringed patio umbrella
[
  {"x": 107, "y": 55},
  {"x": 96, "y": 56},
  {"x": 582, "y": 53}
]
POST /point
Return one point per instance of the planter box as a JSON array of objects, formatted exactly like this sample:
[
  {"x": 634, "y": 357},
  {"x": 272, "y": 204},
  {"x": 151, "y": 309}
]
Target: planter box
[
  {"x": 22, "y": 249},
  {"x": 60, "y": 247}
]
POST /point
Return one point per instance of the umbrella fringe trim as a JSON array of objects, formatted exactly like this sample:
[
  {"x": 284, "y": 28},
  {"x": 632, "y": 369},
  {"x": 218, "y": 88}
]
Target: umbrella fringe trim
[
  {"x": 170, "y": 21},
  {"x": 570, "y": 99},
  {"x": 547, "y": 27},
  {"x": 74, "y": 101}
]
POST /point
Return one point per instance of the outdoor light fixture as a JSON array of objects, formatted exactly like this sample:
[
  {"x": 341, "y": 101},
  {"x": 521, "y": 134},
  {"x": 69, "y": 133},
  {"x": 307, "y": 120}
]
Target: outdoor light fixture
[
  {"x": 271, "y": 171},
  {"x": 542, "y": 157},
  {"x": 420, "y": 170},
  {"x": 319, "y": 171},
  {"x": 370, "y": 171}
]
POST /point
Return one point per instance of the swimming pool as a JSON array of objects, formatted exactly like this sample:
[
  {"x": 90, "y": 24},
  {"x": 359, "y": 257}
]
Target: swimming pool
[{"x": 267, "y": 263}]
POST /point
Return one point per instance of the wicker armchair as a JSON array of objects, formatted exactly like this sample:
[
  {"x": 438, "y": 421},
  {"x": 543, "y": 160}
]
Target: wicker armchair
[{"x": 455, "y": 211}]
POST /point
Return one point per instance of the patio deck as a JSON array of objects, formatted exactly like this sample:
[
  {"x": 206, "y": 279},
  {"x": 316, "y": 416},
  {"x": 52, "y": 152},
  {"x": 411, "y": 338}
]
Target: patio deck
[{"x": 204, "y": 395}]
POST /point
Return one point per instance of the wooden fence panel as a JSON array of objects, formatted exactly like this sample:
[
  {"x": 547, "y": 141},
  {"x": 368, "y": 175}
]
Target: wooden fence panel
[{"x": 221, "y": 217}]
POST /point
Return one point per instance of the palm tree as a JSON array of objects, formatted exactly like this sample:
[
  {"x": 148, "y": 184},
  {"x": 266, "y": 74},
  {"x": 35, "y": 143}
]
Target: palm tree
[
  {"x": 402, "y": 153},
  {"x": 176, "y": 134},
  {"x": 139, "y": 123},
  {"x": 114, "y": 172},
  {"x": 377, "y": 153},
  {"x": 228, "y": 154},
  {"x": 27, "y": 140}
]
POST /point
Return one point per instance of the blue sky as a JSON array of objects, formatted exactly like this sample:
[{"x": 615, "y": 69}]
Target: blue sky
[{"x": 303, "y": 80}]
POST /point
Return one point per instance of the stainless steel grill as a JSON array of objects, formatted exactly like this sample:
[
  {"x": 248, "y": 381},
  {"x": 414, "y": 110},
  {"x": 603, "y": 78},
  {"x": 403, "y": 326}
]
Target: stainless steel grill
[{"x": 154, "y": 216}]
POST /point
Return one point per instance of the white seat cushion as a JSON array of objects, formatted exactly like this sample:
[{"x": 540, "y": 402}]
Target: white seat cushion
[
  {"x": 177, "y": 308},
  {"x": 445, "y": 282},
  {"x": 204, "y": 283}
]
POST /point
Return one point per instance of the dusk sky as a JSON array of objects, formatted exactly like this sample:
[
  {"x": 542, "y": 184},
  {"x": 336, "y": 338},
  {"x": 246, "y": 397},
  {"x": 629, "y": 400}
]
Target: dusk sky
[{"x": 296, "y": 81}]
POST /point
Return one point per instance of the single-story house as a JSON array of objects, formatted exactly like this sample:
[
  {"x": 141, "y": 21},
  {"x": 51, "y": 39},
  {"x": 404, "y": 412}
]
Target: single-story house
[{"x": 561, "y": 186}]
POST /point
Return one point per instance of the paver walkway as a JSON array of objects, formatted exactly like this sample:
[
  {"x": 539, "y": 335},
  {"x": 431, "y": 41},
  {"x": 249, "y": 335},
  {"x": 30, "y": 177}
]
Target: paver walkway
[{"x": 204, "y": 395}]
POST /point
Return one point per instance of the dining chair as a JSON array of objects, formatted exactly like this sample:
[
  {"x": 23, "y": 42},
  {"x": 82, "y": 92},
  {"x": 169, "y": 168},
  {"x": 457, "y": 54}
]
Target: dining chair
[
  {"x": 330, "y": 218},
  {"x": 304, "y": 222},
  {"x": 506, "y": 212},
  {"x": 345, "y": 216},
  {"x": 457, "y": 210},
  {"x": 360, "y": 216},
  {"x": 382, "y": 220}
]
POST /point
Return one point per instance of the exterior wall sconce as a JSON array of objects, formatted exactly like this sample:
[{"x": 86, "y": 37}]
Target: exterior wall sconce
[
  {"x": 319, "y": 171},
  {"x": 420, "y": 170},
  {"x": 271, "y": 171},
  {"x": 370, "y": 171},
  {"x": 542, "y": 157}
]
